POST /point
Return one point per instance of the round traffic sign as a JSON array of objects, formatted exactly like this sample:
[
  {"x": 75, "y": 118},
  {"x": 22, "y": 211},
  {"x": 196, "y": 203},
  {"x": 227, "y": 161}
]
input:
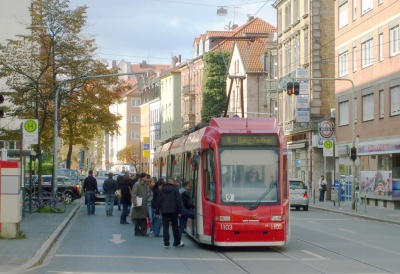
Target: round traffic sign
[
  {"x": 30, "y": 126},
  {"x": 326, "y": 129},
  {"x": 328, "y": 144}
]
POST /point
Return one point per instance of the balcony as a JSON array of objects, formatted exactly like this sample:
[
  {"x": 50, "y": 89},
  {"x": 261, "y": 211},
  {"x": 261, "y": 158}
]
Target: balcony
[
  {"x": 188, "y": 119},
  {"x": 187, "y": 90}
]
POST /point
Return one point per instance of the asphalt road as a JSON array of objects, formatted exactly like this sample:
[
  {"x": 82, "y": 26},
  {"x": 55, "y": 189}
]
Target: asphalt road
[{"x": 322, "y": 242}]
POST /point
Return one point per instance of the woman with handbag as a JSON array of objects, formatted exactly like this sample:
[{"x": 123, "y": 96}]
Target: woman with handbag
[{"x": 139, "y": 202}]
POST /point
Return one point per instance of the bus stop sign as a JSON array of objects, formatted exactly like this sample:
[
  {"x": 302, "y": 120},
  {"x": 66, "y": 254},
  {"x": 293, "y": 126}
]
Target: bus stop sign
[{"x": 326, "y": 129}]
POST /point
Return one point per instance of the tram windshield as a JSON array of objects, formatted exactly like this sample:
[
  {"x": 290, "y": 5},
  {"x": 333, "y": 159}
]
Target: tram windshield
[{"x": 247, "y": 173}]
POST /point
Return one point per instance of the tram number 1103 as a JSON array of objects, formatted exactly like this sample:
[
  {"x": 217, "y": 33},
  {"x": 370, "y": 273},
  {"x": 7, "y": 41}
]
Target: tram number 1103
[{"x": 226, "y": 227}]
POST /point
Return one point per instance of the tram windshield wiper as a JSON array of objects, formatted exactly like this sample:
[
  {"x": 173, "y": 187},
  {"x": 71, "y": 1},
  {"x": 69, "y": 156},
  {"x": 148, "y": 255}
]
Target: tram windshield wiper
[{"x": 257, "y": 203}]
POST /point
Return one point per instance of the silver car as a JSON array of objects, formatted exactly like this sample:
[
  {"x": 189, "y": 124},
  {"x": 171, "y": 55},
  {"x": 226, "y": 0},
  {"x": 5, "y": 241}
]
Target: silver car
[
  {"x": 298, "y": 194},
  {"x": 100, "y": 197}
]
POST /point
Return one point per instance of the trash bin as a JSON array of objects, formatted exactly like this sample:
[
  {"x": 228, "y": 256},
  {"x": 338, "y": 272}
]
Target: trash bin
[{"x": 338, "y": 189}]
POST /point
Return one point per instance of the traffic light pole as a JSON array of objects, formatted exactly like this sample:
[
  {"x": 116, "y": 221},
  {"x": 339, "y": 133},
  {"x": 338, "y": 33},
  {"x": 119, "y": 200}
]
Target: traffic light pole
[{"x": 353, "y": 166}]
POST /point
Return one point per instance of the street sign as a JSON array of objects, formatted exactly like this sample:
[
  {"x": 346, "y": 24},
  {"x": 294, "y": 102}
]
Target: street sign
[
  {"x": 328, "y": 148},
  {"x": 30, "y": 132},
  {"x": 146, "y": 146},
  {"x": 304, "y": 88},
  {"x": 325, "y": 129},
  {"x": 302, "y": 102},
  {"x": 302, "y": 115}
]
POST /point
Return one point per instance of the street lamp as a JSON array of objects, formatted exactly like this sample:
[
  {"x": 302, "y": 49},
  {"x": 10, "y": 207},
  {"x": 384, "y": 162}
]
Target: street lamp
[
  {"x": 55, "y": 129},
  {"x": 353, "y": 167}
]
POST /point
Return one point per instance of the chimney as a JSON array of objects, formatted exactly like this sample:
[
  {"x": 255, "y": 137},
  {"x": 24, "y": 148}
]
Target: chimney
[
  {"x": 143, "y": 64},
  {"x": 114, "y": 63}
]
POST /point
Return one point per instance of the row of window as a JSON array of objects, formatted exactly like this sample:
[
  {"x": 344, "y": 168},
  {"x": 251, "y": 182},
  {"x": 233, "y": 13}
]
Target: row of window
[
  {"x": 292, "y": 14},
  {"x": 366, "y": 6},
  {"x": 367, "y": 52},
  {"x": 368, "y": 106}
]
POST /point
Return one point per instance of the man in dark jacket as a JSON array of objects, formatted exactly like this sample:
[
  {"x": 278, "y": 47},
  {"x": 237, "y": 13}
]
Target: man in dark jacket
[
  {"x": 187, "y": 206},
  {"x": 109, "y": 187},
  {"x": 90, "y": 189},
  {"x": 169, "y": 202}
]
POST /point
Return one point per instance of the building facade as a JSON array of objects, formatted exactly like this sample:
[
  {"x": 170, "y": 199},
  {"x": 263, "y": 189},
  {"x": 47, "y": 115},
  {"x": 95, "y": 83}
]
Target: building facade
[
  {"x": 306, "y": 49},
  {"x": 368, "y": 106}
]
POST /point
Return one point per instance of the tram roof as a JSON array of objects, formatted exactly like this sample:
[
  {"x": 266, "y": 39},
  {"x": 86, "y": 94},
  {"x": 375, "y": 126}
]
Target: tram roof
[{"x": 244, "y": 123}]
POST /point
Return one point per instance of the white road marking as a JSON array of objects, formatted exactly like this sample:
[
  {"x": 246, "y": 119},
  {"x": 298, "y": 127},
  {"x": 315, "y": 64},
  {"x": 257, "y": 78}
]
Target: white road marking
[
  {"x": 317, "y": 257},
  {"x": 117, "y": 239},
  {"x": 138, "y": 257},
  {"x": 313, "y": 222},
  {"x": 261, "y": 259},
  {"x": 346, "y": 230}
]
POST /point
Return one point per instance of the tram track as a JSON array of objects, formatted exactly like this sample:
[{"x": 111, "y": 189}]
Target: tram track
[
  {"x": 239, "y": 262},
  {"x": 330, "y": 251}
]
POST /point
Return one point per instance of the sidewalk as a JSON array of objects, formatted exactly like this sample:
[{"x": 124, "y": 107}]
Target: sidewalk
[
  {"x": 365, "y": 211},
  {"x": 41, "y": 230}
]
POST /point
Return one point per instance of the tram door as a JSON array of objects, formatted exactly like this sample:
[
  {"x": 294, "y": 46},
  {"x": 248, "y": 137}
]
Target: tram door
[{"x": 191, "y": 173}]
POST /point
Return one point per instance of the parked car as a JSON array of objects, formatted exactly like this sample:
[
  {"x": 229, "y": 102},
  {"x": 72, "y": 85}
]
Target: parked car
[
  {"x": 68, "y": 188},
  {"x": 102, "y": 173},
  {"x": 298, "y": 194}
]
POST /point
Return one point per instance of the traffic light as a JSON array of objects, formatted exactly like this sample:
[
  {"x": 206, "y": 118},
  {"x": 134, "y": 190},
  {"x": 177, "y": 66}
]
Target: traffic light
[
  {"x": 289, "y": 88},
  {"x": 296, "y": 88},
  {"x": 353, "y": 153},
  {"x": 1, "y": 101}
]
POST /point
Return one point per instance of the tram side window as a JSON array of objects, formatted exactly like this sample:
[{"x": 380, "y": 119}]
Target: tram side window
[{"x": 209, "y": 176}]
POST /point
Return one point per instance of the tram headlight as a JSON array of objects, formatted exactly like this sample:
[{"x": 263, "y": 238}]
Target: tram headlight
[
  {"x": 276, "y": 218},
  {"x": 224, "y": 218}
]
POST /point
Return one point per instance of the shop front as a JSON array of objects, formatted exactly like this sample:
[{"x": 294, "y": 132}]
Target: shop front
[{"x": 379, "y": 166}]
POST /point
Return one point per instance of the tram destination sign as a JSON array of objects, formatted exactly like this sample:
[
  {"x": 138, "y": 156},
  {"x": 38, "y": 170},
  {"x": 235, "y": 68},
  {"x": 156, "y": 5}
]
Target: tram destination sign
[{"x": 249, "y": 140}]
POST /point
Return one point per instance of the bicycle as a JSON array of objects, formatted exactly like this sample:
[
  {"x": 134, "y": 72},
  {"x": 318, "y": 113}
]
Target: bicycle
[
  {"x": 37, "y": 204},
  {"x": 35, "y": 194}
]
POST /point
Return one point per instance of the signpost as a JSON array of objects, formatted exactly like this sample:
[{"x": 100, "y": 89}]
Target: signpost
[
  {"x": 30, "y": 132},
  {"x": 328, "y": 148},
  {"x": 326, "y": 129}
]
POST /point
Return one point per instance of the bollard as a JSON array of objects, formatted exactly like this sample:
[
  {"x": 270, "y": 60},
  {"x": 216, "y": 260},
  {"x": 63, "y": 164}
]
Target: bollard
[
  {"x": 314, "y": 196},
  {"x": 365, "y": 203}
]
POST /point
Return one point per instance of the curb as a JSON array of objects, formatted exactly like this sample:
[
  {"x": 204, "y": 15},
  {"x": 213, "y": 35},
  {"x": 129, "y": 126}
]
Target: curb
[
  {"x": 360, "y": 215},
  {"x": 39, "y": 256}
]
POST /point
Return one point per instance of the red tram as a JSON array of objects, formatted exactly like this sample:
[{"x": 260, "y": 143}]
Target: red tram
[{"x": 238, "y": 167}]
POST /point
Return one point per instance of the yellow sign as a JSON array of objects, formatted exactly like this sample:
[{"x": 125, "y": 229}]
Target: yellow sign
[
  {"x": 30, "y": 132},
  {"x": 146, "y": 140},
  {"x": 146, "y": 153},
  {"x": 328, "y": 144},
  {"x": 328, "y": 148}
]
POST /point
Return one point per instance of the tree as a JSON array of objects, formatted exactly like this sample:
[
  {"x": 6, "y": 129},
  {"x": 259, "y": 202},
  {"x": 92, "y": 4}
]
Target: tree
[
  {"x": 214, "y": 85},
  {"x": 129, "y": 155},
  {"x": 35, "y": 66}
]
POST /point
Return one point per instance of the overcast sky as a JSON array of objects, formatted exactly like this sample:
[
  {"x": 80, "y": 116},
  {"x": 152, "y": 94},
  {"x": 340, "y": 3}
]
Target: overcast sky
[{"x": 156, "y": 30}]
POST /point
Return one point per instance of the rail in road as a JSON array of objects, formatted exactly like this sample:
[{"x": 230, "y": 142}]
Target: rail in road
[{"x": 321, "y": 242}]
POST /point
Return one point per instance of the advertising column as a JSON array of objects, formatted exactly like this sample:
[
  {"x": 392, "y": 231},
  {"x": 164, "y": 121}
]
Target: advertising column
[{"x": 10, "y": 199}]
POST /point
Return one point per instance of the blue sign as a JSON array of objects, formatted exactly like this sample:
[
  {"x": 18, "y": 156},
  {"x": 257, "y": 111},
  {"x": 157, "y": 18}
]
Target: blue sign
[{"x": 146, "y": 146}]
